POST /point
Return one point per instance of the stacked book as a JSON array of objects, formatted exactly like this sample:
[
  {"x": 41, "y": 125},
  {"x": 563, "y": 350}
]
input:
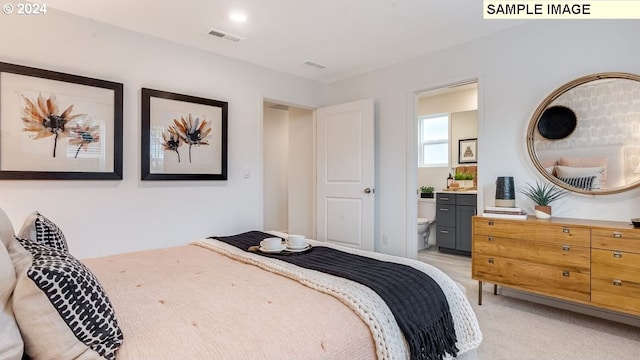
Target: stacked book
[{"x": 505, "y": 212}]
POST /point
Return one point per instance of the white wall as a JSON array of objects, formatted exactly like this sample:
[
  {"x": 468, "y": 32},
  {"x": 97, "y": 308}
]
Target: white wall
[
  {"x": 104, "y": 217},
  {"x": 289, "y": 171},
  {"x": 516, "y": 69},
  {"x": 464, "y": 125},
  {"x": 302, "y": 172},
  {"x": 276, "y": 169}
]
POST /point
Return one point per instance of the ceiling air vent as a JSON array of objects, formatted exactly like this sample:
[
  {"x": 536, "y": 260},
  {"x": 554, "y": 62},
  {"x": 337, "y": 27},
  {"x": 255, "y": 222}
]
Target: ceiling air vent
[
  {"x": 225, "y": 35},
  {"x": 315, "y": 64}
]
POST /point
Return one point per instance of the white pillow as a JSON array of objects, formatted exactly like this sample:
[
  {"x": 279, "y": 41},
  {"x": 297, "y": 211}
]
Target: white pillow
[
  {"x": 60, "y": 307},
  {"x": 589, "y": 162},
  {"x": 6, "y": 229},
  {"x": 550, "y": 169},
  {"x": 11, "y": 345},
  {"x": 38, "y": 228},
  {"x": 576, "y": 172}
]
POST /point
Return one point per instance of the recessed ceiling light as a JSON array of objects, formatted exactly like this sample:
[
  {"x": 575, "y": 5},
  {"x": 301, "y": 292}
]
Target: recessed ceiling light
[{"x": 238, "y": 16}]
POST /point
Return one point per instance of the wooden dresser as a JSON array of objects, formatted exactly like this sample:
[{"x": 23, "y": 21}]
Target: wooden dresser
[{"x": 585, "y": 261}]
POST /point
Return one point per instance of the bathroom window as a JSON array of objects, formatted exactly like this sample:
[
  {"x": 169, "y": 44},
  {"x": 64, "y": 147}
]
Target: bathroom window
[{"x": 434, "y": 141}]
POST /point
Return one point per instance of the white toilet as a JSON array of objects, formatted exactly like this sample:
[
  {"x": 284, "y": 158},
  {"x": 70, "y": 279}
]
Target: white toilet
[{"x": 426, "y": 222}]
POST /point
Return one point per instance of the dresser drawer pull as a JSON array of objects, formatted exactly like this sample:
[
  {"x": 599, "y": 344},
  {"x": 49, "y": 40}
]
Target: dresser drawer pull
[
  {"x": 445, "y": 210},
  {"x": 617, "y": 255},
  {"x": 444, "y": 198},
  {"x": 565, "y": 273},
  {"x": 490, "y": 223},
  {"x": 490, "y": 261},
  {"x": 566, "y": 247},
  {"x": 566, "y": 230},
  {"x": 617, "y": 282},
  {"x": 444, "y": 231},
  {"x": 617, "y": 234},
  {"x": 490, "y": 238}
]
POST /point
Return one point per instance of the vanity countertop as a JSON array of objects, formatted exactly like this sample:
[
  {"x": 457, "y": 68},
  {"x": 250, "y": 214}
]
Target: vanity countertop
[{"x": 457, "y": 192}]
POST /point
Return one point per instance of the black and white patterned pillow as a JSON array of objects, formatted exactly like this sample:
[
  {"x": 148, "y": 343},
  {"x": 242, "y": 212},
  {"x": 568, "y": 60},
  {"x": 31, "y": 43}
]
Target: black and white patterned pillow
[
  {"x": 584, "y": 183},
  {"x": 43, "y": 231},
  {"x": 77, "y": 297}
]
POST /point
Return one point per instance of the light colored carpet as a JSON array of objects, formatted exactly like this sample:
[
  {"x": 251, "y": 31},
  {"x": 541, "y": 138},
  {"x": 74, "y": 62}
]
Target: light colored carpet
[{"x": 515, "y": 329}]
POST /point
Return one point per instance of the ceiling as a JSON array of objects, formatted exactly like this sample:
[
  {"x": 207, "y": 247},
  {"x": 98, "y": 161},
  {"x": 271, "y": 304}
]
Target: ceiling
[{"x": 349, "y": 37}]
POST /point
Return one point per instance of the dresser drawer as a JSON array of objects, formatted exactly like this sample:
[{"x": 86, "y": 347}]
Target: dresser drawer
[
  {"x": 616, "y": 239},
  {"x": 542, "y": 279},
  {"x": 531, "y": 230},
  {"x": 569, "y": 257},
  {"x": 624, "y": 295},
  {"x": 610, "y": 264}
]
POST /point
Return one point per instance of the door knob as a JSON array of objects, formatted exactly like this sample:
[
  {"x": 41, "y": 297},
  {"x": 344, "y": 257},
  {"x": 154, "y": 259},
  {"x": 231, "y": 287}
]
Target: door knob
[{"x": 368, "y": 190}]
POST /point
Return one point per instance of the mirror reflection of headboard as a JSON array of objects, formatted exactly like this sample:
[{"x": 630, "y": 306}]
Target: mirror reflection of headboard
[{"x": 611, "y": 154}]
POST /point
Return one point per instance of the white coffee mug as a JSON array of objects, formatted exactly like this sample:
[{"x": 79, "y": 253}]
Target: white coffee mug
[
  {"x": 296, "y": 241},
  {"x": 273, "y": 243}
]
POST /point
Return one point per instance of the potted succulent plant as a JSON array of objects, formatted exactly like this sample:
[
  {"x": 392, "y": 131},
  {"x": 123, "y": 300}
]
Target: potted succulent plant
[
  {"x": 542, "y": 196},
  {"x": 426, "y": 191},
  {"x": 468, "y": 180},
  {"x": 465, "y": 180}
]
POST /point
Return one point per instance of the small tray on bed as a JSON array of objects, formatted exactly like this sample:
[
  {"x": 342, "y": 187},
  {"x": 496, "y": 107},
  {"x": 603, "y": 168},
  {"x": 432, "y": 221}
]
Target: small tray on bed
[{"x": 284, "y": 251}]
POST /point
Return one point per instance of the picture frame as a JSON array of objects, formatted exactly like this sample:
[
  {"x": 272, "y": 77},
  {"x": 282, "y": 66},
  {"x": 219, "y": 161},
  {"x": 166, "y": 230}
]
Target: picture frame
[
  {"x": 184, "y": 137},
  {"x": 467, "y": 151},
  {"x": 58, "y": 126}
]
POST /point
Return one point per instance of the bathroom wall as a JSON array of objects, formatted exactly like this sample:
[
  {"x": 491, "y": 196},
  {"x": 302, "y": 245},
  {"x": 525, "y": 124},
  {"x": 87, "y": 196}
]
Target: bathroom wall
[{"x": 462, "y": 105}]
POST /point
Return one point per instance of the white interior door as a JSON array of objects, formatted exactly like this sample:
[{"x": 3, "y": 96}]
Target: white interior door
[{"x": 345, "y": 174}]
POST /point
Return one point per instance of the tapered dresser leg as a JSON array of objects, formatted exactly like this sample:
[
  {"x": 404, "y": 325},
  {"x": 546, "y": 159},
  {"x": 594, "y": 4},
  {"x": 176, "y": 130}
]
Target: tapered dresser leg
[
  {"x": 495, "y": 289},
  {"x": 479, "y": 292}
]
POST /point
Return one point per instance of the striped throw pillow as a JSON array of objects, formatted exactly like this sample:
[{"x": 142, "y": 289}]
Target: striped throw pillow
[{"x": 584, "y": 183}]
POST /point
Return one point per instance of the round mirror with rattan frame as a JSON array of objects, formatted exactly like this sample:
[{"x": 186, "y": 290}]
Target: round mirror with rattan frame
[{"x": 625, "y": 143}]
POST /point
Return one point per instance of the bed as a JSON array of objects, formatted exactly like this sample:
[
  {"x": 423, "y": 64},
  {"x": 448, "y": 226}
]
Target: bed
[{"x": 207, "y": 299}]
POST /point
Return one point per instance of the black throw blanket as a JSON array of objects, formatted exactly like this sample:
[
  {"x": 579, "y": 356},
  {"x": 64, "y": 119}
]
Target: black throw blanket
[{"x": 415, "y": 299}]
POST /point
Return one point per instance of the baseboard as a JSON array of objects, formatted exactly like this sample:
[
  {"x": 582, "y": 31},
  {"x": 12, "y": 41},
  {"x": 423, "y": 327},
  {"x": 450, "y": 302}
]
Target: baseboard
[{"x": 579, "y": 308}]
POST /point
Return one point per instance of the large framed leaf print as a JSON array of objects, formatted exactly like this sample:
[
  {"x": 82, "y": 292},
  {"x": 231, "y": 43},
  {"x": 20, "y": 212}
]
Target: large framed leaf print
[
  {"x": 183, "y": 137},
  {"x": 57, "y": 126}
]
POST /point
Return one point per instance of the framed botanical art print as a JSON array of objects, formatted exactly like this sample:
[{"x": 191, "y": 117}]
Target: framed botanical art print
[
  {"x": 59, "y": 126},
  {"x": 468, "y": 151},
  {"x": 183, "y": 137}
]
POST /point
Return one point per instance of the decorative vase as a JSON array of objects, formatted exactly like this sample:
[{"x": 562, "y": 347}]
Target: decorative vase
[
  {"x": 543, "y": 212},
  {"x": 505, "y": 192}
]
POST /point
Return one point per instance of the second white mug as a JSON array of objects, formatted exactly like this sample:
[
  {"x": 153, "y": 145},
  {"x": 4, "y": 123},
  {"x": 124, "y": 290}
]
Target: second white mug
[{"x": 296, "y": 241}]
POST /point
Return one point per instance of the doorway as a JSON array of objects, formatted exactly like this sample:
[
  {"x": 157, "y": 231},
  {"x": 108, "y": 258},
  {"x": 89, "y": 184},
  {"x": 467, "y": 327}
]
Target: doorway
[
  {"x": 288, "y": 169},
  {"x": 458, "y": 104},
  {"x": 318, "y": 172}
]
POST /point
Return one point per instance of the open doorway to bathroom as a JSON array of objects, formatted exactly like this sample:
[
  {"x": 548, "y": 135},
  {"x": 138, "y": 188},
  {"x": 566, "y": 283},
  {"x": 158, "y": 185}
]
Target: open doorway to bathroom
[
  {"x": 288, "y": 169},
  {"x": 446, "y": 118}
]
